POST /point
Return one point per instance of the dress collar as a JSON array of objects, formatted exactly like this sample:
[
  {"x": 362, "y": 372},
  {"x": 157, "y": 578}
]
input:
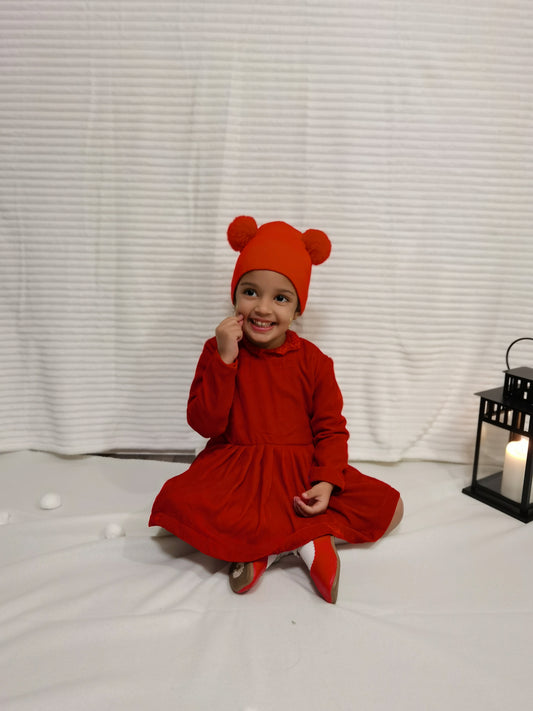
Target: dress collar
[{"x": 291, "y": 343}]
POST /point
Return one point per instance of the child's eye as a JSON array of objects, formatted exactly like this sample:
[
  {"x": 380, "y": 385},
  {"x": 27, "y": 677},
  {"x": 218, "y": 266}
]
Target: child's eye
[
  {"x": 249, "y": 292},
  {"x": 281, "y": 299}
]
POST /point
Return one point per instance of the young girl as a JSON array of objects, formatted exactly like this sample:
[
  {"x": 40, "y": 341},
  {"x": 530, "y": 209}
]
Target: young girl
[{"x": 274, "y": 475}]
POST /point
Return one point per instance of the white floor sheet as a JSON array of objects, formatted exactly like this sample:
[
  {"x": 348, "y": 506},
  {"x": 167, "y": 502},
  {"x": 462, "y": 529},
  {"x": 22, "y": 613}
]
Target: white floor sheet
[{"x": 439, "y": 615}]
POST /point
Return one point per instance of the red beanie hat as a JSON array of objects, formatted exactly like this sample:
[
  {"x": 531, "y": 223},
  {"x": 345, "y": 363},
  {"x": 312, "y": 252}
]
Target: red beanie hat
[{"x": 278, "y": 247}]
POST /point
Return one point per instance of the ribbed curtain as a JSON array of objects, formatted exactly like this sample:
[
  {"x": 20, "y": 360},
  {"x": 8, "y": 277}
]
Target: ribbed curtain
[{"x": 133, "y": 131}]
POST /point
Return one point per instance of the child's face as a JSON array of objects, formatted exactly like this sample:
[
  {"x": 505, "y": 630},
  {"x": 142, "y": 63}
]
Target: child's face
[{"x": 268, "y": 301}]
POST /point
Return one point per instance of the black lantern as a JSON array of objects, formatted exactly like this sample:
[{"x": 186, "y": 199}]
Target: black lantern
[{"x": 503, "y": 443}]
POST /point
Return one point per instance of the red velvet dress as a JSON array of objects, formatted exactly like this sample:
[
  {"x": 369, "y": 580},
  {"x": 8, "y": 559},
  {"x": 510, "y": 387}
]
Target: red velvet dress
[{"x": 274, "y": 418}]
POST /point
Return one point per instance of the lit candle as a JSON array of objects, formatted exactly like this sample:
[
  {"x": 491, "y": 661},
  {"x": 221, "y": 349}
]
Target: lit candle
[{"x": 514, "y": 467}]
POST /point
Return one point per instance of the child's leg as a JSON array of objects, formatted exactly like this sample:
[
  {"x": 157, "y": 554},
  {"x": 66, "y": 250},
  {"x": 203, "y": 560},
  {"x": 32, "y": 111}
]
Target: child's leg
[
  {"x": 321, "y": 557},
  {"x": 397, "y": 517},
  {"x": 245, "y": 576}
]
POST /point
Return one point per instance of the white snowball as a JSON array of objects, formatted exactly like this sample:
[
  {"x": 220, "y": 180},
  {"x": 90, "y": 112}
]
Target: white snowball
[
  {"x": 50, "y": 501},
  {"x": 114, "y": 530}
]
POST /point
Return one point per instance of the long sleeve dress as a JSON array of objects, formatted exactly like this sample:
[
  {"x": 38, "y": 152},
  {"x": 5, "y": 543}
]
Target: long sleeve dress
[{"x": 275, "y": 423}]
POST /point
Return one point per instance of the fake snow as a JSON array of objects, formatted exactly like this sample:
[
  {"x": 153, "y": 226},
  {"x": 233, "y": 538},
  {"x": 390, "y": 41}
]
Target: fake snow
[
  {"x": 114, "y": 530},
  {"x": 50, "y": 501}
]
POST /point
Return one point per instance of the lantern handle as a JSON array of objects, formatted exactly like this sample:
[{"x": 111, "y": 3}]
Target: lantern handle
[{"x": 525, "y": 338}]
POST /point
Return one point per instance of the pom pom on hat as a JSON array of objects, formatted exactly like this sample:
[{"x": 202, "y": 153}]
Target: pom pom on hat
[
  {"x": 318, "y": 245},
  {"x": 278, "y": 247},
  {"x": 241, "y": 231}
]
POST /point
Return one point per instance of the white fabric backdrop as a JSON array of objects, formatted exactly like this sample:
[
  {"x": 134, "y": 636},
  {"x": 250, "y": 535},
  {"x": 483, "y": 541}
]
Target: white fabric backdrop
[{"x": 133, "y": 131}]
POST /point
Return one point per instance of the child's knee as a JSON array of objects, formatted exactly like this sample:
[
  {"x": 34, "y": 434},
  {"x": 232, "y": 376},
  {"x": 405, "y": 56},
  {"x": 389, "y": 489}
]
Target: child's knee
[{"x": 397, "y": 516}]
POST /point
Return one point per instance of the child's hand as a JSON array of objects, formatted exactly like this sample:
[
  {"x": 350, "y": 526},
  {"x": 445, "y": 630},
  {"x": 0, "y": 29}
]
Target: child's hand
[
  {"x": 315, "y": 500},
  {"x": 228, "y": 334}
]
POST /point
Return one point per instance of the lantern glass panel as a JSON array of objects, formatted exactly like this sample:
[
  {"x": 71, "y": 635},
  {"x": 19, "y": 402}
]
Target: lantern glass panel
[
  {"x": 502, "y": 462},
  {"x": 514, "y": 469},
  {"x": 492, "y": 449}
]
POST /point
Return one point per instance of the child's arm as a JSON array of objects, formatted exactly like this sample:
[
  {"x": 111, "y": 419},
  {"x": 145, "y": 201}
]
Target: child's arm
[
  {"x": 330, "y": 435},
  {"x": 330, "y": 438},
  {"x": 211, "y": 393}
]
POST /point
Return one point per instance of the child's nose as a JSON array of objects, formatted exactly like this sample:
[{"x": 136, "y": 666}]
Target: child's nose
[{"x": 263, "y": 305}]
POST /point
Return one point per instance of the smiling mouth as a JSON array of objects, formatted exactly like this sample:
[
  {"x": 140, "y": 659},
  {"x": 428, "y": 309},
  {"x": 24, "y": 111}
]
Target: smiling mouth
[{"x": 261, "y": 324}]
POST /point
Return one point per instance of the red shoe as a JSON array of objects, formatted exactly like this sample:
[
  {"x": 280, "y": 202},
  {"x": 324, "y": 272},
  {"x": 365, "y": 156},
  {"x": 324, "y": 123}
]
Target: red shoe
[
  {"x": 244, "y": 576},
  {"x": 326, "y": 568}
]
